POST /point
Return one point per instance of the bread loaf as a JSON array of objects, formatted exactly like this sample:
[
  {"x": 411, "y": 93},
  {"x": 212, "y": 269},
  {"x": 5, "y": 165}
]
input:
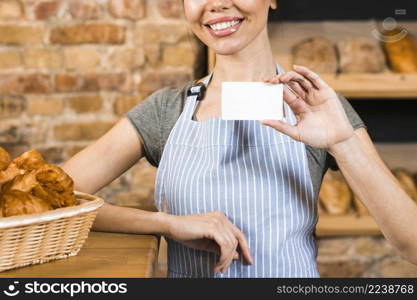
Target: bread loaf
[
  {"x": 360, "y": 208},
  {"x": 401, "y": 51},
  {"x": 335, "y": 194},
  {"x": 361, "y": 56},
  {"x": 407, "y": 182},
  {"x": 317, "y": 54}
]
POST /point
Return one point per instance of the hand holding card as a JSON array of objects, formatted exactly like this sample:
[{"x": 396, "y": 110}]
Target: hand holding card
[{"x": 252, "y": 101}]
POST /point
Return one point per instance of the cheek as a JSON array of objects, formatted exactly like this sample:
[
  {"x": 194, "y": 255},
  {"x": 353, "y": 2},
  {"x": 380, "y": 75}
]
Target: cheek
[{"x": 192, "y": 11}]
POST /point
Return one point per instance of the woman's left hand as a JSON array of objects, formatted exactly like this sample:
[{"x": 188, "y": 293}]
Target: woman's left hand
[{"x": 321, "y": 118}]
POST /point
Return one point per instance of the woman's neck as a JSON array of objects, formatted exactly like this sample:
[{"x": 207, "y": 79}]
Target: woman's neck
[{"x": 251, "y": 64}]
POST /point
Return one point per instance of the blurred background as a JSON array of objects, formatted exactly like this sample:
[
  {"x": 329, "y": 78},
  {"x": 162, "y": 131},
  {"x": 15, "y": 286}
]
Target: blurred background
[{"x": 70, "y": 69}]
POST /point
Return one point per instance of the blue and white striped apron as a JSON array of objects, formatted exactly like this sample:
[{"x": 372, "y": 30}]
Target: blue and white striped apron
[{"x": 257, "y": 176}]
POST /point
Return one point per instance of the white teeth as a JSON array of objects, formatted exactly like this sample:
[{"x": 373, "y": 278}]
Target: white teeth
[{"x": 224, "y": 25}]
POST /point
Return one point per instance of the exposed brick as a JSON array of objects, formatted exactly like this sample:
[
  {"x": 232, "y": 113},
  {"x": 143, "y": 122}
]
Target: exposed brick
[
  {"x": 44, "y": 105},
  {"x": 81, "y": 131},
  {"x": 154, "y": 80},
  {"x": 65, "y": 82},
  {"x": 171, "y": 8},
  {"x": 9, "y": 133},
  {"x": 179, "y": 55},
  {"x": 85, "y": 103},
  {"x": 34, "y": 132},
  {"x": 47, "y": 10},
  {"x": 141, "y": 199},
  {"x": 10, "y": 9},
  {"x": 52, "y": 155},
  {"x": 129, "y": 9},
  {"x": 127, "y": 58},
  {"x": 11, "y": 106},
  {"x": 124, "y": 103},
  {"x": 14, "y": 149},
  {"x": 88, "y": 33},
  {"x": 396, "y": 267},
  {"x": 349, "y": 268},
  {"x": 41, "y": 58},
  {"x": 152, "y": 54},
  {"x": 21, "y": 35},
  {"x": 72, "y": 150},
  {"x": 25, "y": 83},
  {"x": 104, "y": 81},
  {"x": 92, "y": 82},
  {"x": 80, "y": 58},
  {"x": 157, "y": 33},
  {"x": 10, "y": 59},
  {"x": 85, "y": 10}
]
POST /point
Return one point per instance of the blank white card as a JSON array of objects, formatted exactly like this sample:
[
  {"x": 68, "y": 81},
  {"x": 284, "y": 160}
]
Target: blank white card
[{"x": 252, "y": 101}]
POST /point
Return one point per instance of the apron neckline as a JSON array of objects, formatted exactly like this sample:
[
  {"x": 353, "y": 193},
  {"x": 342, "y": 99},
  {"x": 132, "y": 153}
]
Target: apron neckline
[{"x": 194, "y": 103}]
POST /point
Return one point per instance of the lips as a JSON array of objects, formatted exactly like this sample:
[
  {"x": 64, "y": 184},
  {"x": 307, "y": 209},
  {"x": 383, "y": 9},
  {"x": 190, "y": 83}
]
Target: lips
[{"x": 224, "y": 26}]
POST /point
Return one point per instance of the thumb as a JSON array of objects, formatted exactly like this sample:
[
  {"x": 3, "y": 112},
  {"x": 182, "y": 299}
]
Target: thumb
[{"x": 290, "y": 130}]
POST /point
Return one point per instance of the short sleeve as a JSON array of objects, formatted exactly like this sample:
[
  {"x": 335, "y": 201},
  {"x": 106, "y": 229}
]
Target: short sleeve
[
  {"x": 146, "y": 118},
  {"x": 356, "y": 122}
]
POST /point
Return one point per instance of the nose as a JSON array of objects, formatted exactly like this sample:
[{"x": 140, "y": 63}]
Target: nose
[{"x": 218, "y": 5}]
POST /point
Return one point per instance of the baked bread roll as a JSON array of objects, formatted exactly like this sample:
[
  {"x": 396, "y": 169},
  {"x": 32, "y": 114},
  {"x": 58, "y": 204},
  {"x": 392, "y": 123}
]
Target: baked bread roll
[
  {"x": 9, "y": 174},
  {"x": 30, "y": 160},
  {"x": 29, "y": 185},
  {"x": 317, "y": 54},
  {"x": 335, "y": 194},
  {"x": 407, "y": 182},
  {"x": 17, "y": 203},
  {"x": 361, "y": 56},
  {"x": 401, "y": 51},
  {"x": 55, "y": 186}
]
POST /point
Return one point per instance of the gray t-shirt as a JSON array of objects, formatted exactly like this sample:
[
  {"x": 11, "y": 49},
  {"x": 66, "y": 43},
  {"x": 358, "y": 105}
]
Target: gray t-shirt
[{"x": 155, "y": 117}]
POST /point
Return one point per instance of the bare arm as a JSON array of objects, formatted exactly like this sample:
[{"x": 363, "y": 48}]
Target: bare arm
[
  {"x": 375, "y": 185},
  {"x": 114, "y": 153},
  {"x": 322, "y": 123},
  {"x": 99, "y": 164}
]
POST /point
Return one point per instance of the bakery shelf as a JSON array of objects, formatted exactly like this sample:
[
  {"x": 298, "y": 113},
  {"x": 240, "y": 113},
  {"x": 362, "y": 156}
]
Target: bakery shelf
[
  {"x": 349, "y": 224},
  {"x": 386, "y": 85}
]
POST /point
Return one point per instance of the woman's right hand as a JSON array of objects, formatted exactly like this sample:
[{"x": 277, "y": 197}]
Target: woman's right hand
[{"x": 210, "y": 232}]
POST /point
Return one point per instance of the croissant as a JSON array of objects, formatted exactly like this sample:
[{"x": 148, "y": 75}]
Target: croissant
[
  {"x": 55, "y": 186},
  {"x": 10, "y": 173},
  {"x": 16, "y": 203},
  {"x": 29, "y": 161}
]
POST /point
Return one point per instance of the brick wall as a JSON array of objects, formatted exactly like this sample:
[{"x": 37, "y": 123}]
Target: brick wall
[{"x": 70, "y": 68}]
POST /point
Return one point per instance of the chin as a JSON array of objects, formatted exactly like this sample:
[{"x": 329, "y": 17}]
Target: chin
[{"x": 227, "y": 49}]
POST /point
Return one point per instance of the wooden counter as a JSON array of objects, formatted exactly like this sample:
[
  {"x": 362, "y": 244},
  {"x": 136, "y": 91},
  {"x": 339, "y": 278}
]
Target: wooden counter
[{"x": 103, "y": 255}]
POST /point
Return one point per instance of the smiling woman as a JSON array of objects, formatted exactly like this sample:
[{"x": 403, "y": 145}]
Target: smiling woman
[{"x": 238, "y": 198}]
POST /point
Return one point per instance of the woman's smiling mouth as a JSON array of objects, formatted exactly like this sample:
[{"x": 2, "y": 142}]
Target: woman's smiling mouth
[{"x": 224, "y": 26}]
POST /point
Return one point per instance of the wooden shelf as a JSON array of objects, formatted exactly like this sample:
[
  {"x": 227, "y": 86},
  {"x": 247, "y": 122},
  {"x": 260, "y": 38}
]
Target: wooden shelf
[
  {"x": 350, "y": 224},
  {"x": 386, "y": 85}
]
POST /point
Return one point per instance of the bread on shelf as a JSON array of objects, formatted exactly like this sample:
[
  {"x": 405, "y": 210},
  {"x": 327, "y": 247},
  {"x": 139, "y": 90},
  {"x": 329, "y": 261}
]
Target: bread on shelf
[
  {"x": 401, "y": 49},
  {"x": 335, "y": 194},
  {"x": 407, "y": 182},
  {"x": 316, "y": 53},
  {"x": 361, "y": 55}
]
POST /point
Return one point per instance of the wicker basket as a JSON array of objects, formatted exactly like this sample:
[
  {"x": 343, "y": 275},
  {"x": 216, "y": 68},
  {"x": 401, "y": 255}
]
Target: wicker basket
[{"x": 38, "y": 238}]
